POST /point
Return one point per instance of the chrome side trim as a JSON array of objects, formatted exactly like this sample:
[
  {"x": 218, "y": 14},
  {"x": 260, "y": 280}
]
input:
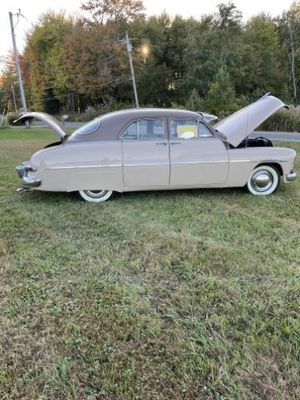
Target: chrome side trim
[
  {"x": 199, "y": 162},
  {"x": 86, "y": 166},
  {"x": 241, "y": 161},
  {"x": 145, "y": 165},
  {"x": 260, "y": 161},
  {"x": 174, "y": 163}
]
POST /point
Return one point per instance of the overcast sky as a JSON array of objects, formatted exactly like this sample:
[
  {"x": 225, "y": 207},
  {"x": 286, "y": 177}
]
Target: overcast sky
[{"x": 33, "y": 9}]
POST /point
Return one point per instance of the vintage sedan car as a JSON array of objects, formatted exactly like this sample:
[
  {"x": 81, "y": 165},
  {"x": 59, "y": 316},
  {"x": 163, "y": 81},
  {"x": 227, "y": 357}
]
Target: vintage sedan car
[{"x": 159, "y": 149}]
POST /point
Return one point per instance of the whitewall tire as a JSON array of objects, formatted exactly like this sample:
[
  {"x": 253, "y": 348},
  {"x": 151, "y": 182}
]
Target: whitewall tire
[
  {"x": 95, "y": 196},
  {"x": 263, "y": 180}
]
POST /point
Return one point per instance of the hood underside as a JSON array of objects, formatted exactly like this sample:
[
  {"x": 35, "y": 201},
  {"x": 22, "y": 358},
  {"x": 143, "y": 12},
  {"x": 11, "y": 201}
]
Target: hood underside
[
  {"x": 239, "y": 125},
  {"x": 47, "y": 119}
]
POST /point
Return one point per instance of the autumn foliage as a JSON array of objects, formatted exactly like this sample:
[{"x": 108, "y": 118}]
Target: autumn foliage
[{"x": 216, "y": 63}]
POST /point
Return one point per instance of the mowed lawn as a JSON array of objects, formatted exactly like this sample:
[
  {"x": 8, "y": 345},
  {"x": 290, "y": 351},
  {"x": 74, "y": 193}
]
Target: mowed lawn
[{"x": 154, "y": 295}]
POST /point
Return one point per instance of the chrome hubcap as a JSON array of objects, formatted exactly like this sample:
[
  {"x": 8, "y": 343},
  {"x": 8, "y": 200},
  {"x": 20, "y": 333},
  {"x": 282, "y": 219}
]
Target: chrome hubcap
[
  {"x": 262, "y": 180},
  {"x": 95, "y": 194}
]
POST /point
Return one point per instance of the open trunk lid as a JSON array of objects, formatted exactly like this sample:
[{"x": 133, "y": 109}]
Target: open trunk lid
[{"x": 50, "y": 121}]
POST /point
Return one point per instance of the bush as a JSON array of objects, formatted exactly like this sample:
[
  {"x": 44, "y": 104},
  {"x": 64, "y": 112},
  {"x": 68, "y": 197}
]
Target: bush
[
  {"x": 3, "y": 122},
  {"x": 283, "y": 120},
  {"x": 94, "y": 112},
  {"x": 11, "y": 117}
]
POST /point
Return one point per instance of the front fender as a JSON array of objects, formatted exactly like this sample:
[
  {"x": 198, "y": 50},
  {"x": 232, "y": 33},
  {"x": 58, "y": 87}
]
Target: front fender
[{"x": 243, "y": 161}]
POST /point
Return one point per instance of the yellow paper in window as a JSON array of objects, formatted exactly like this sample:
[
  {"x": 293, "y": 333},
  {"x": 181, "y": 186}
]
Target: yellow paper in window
[{"x": 186, "y": 131}]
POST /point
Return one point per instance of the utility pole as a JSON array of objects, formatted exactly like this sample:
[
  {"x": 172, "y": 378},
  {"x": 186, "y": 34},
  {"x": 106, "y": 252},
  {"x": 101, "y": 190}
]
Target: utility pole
[
  {"x": 14, "y": 96},
  {"x": 23, "y": 98},
  {"x": 289, "y": 25},
  {"x": 129, "y": 50}
]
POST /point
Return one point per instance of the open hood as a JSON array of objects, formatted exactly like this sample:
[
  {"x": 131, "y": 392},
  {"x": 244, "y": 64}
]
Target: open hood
[
  {"x": 47, "y": 119},
  {"x": 239, "y": 125}
]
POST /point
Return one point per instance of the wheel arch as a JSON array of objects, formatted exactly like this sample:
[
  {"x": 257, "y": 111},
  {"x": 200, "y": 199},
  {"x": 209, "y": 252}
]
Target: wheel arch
[{"x": 275, "y": 165}]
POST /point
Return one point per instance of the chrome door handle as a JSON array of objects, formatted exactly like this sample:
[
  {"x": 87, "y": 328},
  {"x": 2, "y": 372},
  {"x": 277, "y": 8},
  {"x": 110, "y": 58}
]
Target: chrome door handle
[
  {"x": 173, "y": 143},
  {"x": 161, "y": 143}
]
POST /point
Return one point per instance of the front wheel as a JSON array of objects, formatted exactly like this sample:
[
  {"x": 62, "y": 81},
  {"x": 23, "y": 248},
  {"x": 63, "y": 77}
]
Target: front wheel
[
  {"x": 95, "y": 196},
  {"x": 264, "y": 180}
]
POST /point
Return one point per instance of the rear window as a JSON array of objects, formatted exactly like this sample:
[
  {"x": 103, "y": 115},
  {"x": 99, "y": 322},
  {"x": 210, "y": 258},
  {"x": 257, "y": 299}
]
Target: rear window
[{"x": 88, "y": 128}]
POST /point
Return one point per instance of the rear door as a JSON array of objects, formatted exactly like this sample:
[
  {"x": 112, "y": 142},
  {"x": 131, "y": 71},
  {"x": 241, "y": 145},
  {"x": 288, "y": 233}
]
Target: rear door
[
  {"x": 145, "y": 149},
  {"x": 197, "y": 156}
]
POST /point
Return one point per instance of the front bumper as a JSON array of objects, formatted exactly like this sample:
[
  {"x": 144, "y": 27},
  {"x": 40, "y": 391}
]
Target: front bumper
[
  {"x": 291, "y": 176},
  {"x": 27, "y": 180}
]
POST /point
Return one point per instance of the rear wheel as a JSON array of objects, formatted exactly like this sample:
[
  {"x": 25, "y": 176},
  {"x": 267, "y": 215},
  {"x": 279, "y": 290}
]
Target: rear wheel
[
  {"x": 264, "y": 180},
  {"x": 95, "y": 196}
]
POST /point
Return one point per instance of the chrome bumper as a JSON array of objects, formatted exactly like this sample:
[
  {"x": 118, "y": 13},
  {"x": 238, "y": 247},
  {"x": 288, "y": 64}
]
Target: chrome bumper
[
  {"x": 31, "y": 182},
  {"x": 291, "y": 177},
  {"x": 27, "y": 181}
]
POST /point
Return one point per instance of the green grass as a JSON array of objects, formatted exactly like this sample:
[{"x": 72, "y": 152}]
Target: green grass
[{"x": 159, "y": 295}]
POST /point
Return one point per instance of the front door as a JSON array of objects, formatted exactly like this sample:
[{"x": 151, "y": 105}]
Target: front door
[
  {"x": 197, "y": 156},
  {"x": 146, "y": 161}
]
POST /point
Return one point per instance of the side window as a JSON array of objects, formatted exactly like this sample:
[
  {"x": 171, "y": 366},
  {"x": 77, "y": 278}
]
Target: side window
[
  {"x": 189, "y": 129},
  {"x": 184, "y": 129},
  {"x": 203, "y": 131},
  {"x": 145, "y": 129}
]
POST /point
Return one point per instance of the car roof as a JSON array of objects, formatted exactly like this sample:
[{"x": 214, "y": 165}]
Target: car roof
[
  {"x": 113, "y": 122},
  {"x": 152, "y": 112}
]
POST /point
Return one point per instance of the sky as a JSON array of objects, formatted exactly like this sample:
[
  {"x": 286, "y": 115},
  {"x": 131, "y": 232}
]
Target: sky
[{"x": 32, "y": 9}]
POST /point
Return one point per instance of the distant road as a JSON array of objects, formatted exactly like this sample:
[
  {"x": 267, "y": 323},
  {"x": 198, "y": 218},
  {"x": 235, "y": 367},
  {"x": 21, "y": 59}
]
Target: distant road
[
  {"x": 286, "y": 136},
  {"x": 74, "y": 124}
]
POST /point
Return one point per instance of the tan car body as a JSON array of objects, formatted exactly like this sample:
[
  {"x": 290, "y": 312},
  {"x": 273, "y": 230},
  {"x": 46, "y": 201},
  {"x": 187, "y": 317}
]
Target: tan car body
[{"x": 104, "y": 159}]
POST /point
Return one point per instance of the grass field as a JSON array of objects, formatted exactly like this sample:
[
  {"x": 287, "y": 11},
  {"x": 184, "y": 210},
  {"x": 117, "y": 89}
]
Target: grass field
[{"x": 166, "y": 295}]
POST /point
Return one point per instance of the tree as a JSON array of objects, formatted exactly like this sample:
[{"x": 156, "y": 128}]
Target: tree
[
  {"x": 177, "y": 56},
  {"x": 217, "y": 58},
  {"x": 113, "y": 10},
  {"x": 194, "y": 103},
  {"x": 210, "y": 44},
  {"x": 154, "y": 85},
  {"x": 155, "y": 78},
  {"x": 221, "y": 95},
  {"x": 8, "y": 79},
  {"x": 44, "y": 58},
  {"x": 228, "y": 16},
  {"x": 289, "y": 30},
  {"x": 96, "y": 63},
  {"x": 265, "y": 68}
]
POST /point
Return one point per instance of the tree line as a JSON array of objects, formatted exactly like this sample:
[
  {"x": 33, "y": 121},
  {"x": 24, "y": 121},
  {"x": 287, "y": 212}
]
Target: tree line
[{"x": 216, "y": 63}]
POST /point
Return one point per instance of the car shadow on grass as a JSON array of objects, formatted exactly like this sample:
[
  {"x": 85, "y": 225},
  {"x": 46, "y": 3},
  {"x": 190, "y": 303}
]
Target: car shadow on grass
[
  {"x": 57, "y": 197},
  {"x": 179, "y": 194}
]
